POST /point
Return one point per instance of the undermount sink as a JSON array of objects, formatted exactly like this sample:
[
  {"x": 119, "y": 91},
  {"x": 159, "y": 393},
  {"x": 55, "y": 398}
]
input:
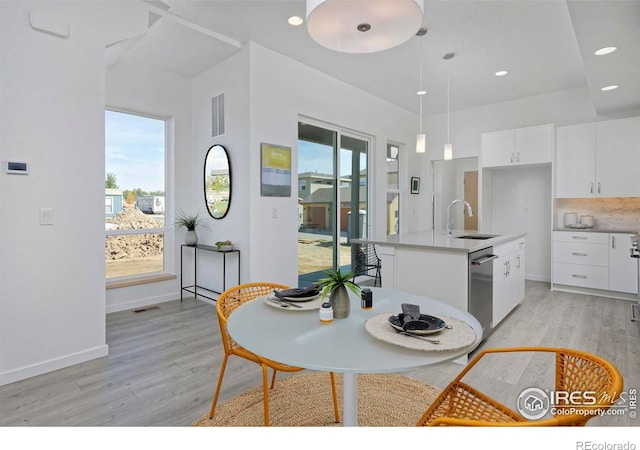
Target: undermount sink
[{"x": 476, "y": 236}]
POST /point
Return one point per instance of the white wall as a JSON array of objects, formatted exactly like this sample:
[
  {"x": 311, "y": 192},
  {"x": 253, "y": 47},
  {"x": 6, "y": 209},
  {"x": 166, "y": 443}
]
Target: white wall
[
  {"x": 138, "y": 88},
  {"x": 52, "y": 296},
  {"x": 230, "y": 77},
  {"x": 522, "y": 203},
  {"x": 282, "y": 90}
]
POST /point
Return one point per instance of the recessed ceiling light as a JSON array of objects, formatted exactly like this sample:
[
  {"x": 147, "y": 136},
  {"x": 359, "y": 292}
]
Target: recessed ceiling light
[
  {"x": 501, "y": 73},
  {"x": 421, "y": 92},
  {"x": 605, "y": 51},
  {"x": 295, "y": 21},
  {"x": 609, "y": 88}
]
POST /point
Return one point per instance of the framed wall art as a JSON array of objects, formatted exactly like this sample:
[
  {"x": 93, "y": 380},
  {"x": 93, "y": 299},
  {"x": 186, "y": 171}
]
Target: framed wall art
[{"x": 275, "y": 170}]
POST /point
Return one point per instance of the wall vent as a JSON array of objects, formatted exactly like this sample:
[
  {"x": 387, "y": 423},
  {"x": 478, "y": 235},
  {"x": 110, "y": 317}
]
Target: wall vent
[
  {"x": 217, "y": 115},
  {"x": 150, "y": 308}
]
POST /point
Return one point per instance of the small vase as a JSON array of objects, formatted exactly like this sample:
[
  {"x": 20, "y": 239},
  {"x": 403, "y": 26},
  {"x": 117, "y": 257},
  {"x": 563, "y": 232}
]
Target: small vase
[
  {"x": 340, "y": 302},
  {"x": 191, "y": 238}
]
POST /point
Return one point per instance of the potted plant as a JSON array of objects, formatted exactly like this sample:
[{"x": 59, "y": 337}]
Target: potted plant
[
  {"x": 190, "y": 222},
  {"x": 335, "y": 284},
  {"x": 224, "y": 246}
]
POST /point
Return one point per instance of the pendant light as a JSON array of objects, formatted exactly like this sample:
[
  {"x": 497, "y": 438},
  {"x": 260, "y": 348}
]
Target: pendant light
[
  {"x": 421, "y": 139},
  {"x": 448, "y": 148}
]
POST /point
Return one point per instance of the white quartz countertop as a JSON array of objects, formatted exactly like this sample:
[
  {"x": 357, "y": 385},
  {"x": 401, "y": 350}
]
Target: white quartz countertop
[
  {"x": 439, "y": 240},
  {"x": 597, "y": 230}
]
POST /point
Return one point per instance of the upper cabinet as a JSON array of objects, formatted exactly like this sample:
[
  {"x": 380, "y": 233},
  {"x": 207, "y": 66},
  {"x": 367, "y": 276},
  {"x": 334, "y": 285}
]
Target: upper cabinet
[
  {"x": 599, "y": 159},
  {"x": 522, "y": 146}
]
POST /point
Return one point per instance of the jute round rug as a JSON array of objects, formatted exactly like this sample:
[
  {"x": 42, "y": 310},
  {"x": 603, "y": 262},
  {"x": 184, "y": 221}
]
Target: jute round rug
[{"x": 384, "y": 400}]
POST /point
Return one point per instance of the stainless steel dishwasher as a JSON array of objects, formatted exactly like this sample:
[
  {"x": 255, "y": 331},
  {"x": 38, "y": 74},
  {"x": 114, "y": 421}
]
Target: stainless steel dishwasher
[{"x": 480, "y": 301}]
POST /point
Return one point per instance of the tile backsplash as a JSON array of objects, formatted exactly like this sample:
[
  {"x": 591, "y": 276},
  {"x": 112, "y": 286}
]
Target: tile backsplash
[{"x": 611, "y": 213}]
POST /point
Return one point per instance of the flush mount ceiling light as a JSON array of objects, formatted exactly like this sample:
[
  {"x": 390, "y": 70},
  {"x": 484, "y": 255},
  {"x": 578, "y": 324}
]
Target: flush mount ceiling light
[
  {"x": 295, "y": 21},
  {"x": 609, "y": 88},
  {"x": 363, "y": 26},
  {"x": 501, "y": 73},
  {"x": 605, "y": 51}
]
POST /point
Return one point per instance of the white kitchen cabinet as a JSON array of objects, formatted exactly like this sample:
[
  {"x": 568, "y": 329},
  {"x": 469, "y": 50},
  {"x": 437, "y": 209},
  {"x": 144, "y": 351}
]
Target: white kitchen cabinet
[
  {"x": 618, "y": 158},
  {"x": 498, "y": 148},
  {"x": 576, "y": 160},
  {"x": 521, "y": 146},
  {"x": 534, "y": 145},
  {"x": 623, "y": 270},
  {"x": 594, "y": 261},
  {"x": 508, "y": 278},
  {"x": 598, "y": 159}
]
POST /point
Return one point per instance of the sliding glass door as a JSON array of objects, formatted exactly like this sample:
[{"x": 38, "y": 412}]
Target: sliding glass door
[{"x": 332, "y": 198}]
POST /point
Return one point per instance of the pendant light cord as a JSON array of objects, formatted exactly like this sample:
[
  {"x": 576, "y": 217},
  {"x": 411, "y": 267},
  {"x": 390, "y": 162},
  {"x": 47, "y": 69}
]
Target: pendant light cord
[{"x": 421, "y": 95}]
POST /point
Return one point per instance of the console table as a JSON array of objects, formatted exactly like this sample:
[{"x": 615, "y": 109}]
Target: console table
[{"x": 194, "y": 288}]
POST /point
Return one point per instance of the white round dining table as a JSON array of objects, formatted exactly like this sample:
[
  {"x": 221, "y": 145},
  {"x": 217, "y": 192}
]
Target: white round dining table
[{"x": 298, "y": 338}]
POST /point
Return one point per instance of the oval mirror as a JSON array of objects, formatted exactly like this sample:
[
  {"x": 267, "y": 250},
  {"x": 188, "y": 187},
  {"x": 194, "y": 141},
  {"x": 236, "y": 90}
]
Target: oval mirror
[{"x": 217, "y": 181}]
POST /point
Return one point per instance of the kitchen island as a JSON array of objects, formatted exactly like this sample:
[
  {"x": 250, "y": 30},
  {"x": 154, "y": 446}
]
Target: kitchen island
[{"x": 437, "y": 265}]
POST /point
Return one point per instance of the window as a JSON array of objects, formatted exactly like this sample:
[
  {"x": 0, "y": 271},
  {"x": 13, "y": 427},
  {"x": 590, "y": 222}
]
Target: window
[
  {"x": 108, "y": 205},
  {"x": 393, "y": 188},
  {"x": 135, "y": 153},
  {"x": 335, "y": 210}
]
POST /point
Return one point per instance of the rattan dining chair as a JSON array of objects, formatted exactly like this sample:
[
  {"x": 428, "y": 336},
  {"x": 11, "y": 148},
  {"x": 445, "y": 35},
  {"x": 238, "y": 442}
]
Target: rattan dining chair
[
  {"x": 228, "y": 301},
  {"x": 575, "y": 371}
]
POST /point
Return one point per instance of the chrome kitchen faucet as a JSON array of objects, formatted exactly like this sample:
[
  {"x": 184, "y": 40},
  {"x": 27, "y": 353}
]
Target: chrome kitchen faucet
[{"x": 449, "y": 224}]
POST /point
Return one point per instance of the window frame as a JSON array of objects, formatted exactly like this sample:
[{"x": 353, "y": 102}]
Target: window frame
[
  {"x": 398, "y": 190},
  {"x": 168, "y": 234}
]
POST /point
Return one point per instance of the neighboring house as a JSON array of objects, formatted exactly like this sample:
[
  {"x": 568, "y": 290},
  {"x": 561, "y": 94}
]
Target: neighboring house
[
  {"x": 316, "y": 196},
  {"x": 112, "y": 202},
  {"x": 316, "y": 208}
]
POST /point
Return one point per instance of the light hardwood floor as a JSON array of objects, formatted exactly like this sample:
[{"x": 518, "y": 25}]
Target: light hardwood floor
[{"x": 163, "y": 363}]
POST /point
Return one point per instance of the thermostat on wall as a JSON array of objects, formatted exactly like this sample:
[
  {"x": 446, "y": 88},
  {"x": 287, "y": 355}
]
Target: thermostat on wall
[{"x": 20, "y": 168}]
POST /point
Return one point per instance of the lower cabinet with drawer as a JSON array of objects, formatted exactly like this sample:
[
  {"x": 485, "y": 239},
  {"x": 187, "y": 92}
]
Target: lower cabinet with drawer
[{"x": 594, "y": 260}]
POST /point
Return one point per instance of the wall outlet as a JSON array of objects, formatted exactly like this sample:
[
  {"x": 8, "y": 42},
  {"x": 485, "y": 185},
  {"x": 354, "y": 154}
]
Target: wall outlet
[{"x": 274, "y": 213}]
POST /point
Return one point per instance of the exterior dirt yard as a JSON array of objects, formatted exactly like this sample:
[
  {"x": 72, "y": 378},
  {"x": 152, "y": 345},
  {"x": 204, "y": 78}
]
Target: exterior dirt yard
[{"x": 138, "y": 254}]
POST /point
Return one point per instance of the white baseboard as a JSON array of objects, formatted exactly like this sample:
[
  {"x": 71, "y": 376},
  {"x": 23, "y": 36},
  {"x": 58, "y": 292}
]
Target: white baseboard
[
  {"x": 33, "y": 370},
  {"x": 595, "y": 292},
  {"x": 141, "y": 302},
  {"x": 535, "y": 277}
]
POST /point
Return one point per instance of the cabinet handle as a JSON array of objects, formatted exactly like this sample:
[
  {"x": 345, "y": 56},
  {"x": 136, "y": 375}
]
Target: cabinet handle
[
  {"x": 506, "y": 273},
  {"x": 518, "y": 157},
  {"x": 613, "y": 242},
  {"x": 579, "y": 237},
  {"x": 511, "y": 157},
  {"x": 508, "y": 268},
  {"x": 598, "y": 187},
  {"x": 579, "y": 254},
  {"x": 591, "y": 188},
  {"x": 579, "y": 276},
  {"x": 518, "y": 258}
]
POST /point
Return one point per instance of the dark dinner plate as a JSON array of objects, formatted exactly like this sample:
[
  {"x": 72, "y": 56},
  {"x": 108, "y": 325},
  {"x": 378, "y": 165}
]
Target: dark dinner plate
[{"x": 426, "y": 325}]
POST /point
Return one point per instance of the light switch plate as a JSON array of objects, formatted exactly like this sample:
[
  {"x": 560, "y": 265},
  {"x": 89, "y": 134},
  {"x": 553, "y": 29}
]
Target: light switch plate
[{"x": 46, "y": 216}]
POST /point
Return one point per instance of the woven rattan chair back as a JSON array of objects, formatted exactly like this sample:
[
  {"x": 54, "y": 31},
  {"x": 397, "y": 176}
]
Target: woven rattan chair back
[
  {"x": 232, "y": 298},
  {"x": 575, "y": 371},
  {"x": 228, "y": 301}
]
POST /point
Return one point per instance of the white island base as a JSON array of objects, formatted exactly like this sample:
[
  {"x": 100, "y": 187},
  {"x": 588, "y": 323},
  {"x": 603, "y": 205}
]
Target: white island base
[{"x": 434, "y": 264}]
